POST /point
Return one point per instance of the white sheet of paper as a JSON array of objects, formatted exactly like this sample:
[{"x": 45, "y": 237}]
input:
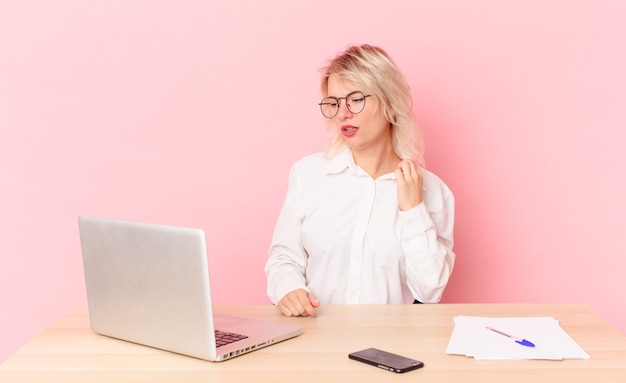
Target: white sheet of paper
[{"x": 470, "y": 337}]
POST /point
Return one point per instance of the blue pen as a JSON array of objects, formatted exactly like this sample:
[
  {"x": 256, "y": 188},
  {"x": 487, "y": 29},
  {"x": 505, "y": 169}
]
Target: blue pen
[{"x": 521, "y": 341}]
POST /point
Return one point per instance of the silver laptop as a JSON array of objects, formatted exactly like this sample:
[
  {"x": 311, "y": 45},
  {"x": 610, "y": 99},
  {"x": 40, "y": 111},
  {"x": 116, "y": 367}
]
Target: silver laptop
[{"x": 149, "y": 284}]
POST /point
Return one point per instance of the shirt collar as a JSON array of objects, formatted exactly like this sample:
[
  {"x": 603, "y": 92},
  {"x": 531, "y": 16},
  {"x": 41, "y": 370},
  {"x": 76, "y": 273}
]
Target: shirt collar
[
  {"x": 341, "y": 161},
  {"x": 344, "y": 160}
]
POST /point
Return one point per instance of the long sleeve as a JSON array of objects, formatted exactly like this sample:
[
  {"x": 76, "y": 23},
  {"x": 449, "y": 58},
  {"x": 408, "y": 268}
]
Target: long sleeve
[
  {"x": 287, "y": 262},
  {"x": 427, "y": 243}
]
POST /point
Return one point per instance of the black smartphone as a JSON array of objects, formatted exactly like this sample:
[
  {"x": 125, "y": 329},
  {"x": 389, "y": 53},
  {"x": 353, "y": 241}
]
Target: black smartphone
[{"x": 386, "y": 360}]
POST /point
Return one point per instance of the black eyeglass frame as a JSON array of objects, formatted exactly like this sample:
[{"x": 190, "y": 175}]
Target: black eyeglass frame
[{"x": 322, "y": 103}]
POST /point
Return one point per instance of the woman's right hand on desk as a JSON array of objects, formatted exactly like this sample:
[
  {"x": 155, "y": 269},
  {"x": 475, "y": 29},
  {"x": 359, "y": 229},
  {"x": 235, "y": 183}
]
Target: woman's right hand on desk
[{"x": 298, "y": 303}]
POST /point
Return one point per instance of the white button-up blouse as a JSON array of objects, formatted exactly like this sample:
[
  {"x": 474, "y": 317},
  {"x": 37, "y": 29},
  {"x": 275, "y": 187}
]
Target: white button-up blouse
[{"x": 341, "y": 236}]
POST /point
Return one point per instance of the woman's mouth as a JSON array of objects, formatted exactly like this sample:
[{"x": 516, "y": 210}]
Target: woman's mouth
[{"x": 348, "y": 130}]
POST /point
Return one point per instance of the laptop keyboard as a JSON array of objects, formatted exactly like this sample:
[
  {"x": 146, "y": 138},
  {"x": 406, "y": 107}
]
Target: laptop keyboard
[{"x": 223, "y": 338}]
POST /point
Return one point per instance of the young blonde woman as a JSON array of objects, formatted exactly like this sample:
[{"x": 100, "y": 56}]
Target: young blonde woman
[{"x": 363, "y": 222}]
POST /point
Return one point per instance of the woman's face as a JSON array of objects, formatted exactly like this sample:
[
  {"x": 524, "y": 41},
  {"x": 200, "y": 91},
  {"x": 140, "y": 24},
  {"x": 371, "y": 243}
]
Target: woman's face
[{"x": 361, "y": 131}]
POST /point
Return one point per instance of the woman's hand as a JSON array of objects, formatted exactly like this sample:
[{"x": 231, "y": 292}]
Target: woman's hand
[
  {"x": 298, "y": 303},
  {"x": 410, "y": 184}
]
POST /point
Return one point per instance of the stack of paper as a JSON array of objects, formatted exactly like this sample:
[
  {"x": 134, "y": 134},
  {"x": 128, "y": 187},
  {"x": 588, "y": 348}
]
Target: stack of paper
[{"x": 472, "y": 337}]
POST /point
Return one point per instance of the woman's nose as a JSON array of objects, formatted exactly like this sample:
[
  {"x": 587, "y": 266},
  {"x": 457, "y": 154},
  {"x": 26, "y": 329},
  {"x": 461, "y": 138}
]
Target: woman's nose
[{"x": 344, "y": 112}]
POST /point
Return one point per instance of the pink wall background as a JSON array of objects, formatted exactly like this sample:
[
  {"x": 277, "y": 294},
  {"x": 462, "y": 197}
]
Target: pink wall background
[{"x": 191, "y": 113}]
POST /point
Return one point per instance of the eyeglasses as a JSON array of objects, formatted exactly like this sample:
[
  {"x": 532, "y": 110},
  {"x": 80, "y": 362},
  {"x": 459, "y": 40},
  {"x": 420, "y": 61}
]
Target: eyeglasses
[{"x": 355, "y": 102}]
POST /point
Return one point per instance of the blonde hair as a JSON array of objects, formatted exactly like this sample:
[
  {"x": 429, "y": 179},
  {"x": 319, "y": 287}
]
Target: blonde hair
[{"x": 372, "y": 69}]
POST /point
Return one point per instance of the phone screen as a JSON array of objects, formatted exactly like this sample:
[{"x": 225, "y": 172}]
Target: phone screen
[{"x": 386, "y": 360}]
